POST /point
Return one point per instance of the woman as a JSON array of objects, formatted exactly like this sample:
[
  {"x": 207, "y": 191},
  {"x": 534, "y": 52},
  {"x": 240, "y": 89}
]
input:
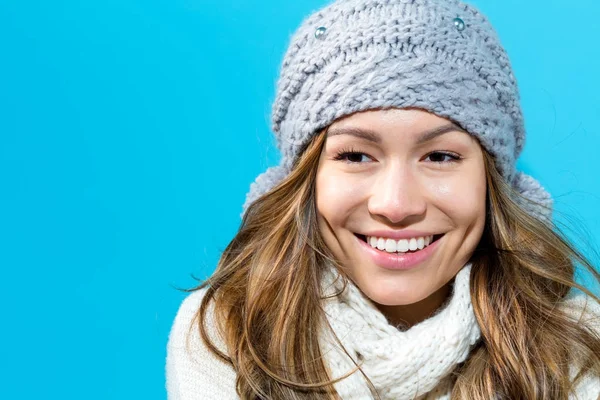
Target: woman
[{"x": 395, "y": 253}]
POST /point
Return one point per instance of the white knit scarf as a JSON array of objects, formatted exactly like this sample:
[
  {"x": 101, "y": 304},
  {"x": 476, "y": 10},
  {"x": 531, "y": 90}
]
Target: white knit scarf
[{"x": 411, "y": 364}]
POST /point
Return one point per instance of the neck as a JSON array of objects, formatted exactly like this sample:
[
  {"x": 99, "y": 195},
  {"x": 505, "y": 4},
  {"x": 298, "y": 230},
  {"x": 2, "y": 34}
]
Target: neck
[
  {"x": 405, "y": 316},
  {"x": 401, "y": 365}
]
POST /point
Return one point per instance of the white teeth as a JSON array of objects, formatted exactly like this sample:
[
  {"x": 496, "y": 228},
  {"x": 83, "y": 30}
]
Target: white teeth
[
  {"x": 412, "y": 244},
  {"x": 373, "y": 241},
  {"x": 390, "y": 246},
  {"x": 402, "y": 245}
]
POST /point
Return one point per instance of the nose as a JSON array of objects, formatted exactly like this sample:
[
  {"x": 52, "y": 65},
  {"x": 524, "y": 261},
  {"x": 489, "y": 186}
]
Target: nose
[{"x": 396, "y": 195}]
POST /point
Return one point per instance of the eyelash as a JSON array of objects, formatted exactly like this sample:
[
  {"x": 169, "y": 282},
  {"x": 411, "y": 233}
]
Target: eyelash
[{"x": 344, "y": 153}]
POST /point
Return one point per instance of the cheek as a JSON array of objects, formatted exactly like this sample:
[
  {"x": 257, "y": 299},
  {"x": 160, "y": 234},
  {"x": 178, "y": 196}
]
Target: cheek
[
  {"x": 462, "y": 197},
  {"x": 336, "y": 195}
]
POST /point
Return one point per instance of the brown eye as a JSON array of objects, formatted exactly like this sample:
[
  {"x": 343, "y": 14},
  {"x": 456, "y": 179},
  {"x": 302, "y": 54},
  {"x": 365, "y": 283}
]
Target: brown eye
[
  {"x": 442, "y": 157},
  {"x": 353, "y": 157}
]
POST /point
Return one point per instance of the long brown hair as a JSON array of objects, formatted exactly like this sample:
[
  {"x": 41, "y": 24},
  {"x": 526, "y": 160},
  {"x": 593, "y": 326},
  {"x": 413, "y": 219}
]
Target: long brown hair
[{"x": 267, "y": 299}]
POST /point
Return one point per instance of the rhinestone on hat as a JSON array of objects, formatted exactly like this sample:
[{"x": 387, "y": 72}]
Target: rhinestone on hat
[
  {"x": 320, "y": 32},
  {"x": 459, "y": 24}
]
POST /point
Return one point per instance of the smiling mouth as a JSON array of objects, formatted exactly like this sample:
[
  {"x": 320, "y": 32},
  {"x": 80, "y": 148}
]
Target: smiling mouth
[{"x": 433, "y": 240}]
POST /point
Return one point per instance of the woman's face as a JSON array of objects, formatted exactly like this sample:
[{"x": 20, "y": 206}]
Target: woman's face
[{"x": 391, "y": 177}]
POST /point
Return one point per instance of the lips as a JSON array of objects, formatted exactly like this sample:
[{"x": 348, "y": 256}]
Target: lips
[
  {"x": 398, "y": 261},
  {"x": 365, "y": 239}
]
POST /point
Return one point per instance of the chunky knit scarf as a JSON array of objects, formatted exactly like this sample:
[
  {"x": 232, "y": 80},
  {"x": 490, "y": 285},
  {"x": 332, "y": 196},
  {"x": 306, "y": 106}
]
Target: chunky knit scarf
[{"x": 410, "y": 364}]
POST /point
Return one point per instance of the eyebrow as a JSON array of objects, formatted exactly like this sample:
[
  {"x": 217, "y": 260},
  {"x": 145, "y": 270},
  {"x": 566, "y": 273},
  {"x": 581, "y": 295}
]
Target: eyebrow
[{"x": 372, "y": 136}]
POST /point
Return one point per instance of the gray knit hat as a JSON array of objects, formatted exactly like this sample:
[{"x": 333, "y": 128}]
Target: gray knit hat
[{"x": 439, "y": 55}]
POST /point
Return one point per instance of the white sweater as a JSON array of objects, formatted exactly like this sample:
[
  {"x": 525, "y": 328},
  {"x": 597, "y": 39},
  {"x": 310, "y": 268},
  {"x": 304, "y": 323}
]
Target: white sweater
[{"x": 194, "y": 373}]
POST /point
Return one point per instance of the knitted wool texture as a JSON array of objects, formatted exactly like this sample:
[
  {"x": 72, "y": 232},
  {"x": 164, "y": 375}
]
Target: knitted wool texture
[
  {"x": 400, "y": 53},
  {"x": 416, "y": 363},
  {"x": 402, "y": 365}
]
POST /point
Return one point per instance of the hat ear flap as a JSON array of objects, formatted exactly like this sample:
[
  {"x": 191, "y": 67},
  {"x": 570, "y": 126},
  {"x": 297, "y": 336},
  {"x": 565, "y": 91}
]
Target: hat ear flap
[
  {"x": 263, "y": 183},
  {"x": 540, "y": 202}
]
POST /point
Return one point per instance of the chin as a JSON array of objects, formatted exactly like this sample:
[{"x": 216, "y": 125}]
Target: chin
[
  {"x": 395, "y": 300},
  {"x": 393, "y": 293}
]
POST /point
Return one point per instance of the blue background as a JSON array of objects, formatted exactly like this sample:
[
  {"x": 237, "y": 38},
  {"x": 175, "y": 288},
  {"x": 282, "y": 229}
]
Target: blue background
[{"x": 130, "y": 131}]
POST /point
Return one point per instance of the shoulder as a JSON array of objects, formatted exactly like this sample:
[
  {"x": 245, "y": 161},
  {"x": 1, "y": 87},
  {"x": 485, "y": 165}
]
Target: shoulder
[
  {"x": 192, "y": 371},
  {"x": 585, "y": 310}
]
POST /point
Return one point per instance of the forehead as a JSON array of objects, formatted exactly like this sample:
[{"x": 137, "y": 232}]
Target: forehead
[
  {"x": 414, "y": 125},
  {"x": 407, "y": 119}
]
